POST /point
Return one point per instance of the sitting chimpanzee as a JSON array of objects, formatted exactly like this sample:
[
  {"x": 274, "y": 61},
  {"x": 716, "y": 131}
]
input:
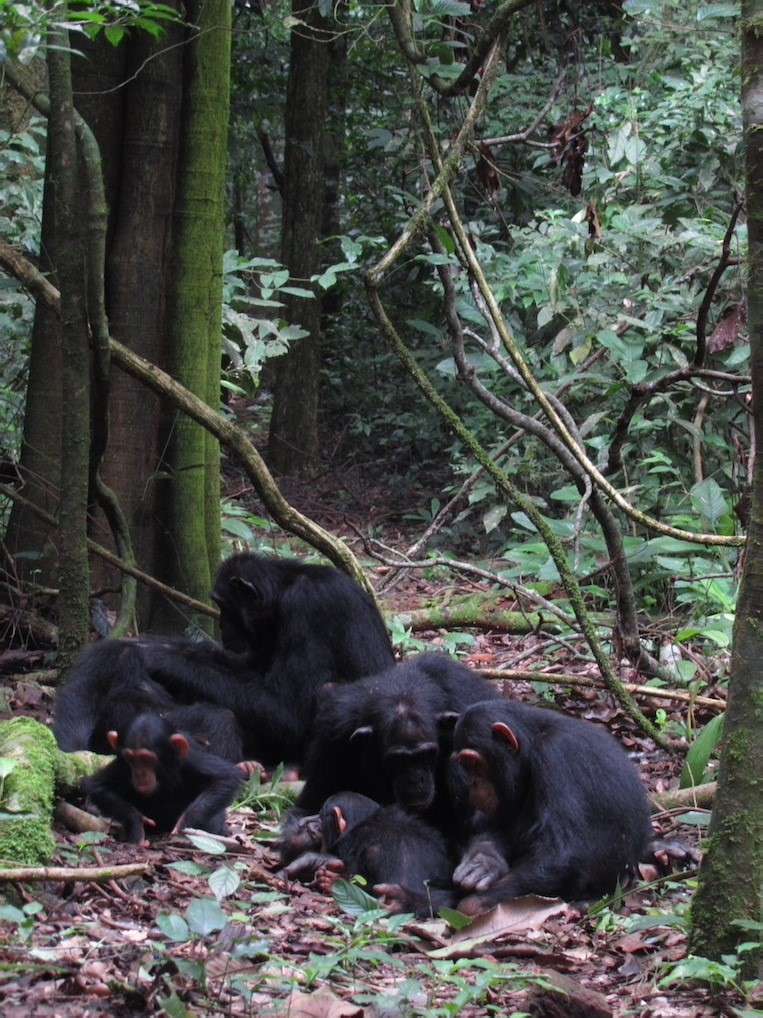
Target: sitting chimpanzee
[
  {"x": 382, "y": 737},
  {"x": 565, "y": 812},
  {"x": 163, "y": 776},
  {"x": 404, "y": 859},
  {"x": 288, "y": 628}
]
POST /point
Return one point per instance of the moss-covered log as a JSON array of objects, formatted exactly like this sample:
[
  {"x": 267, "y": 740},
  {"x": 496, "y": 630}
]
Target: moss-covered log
[
  {"x": 480, "y": 612},
  {"x": 28, "y": 792}
]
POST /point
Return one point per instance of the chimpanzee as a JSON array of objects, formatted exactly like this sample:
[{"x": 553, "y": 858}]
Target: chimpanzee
[
  {"x": 382, "y": 737},
  {"x": 164, "y": 778},
  {"x": 398, "y": 854},
  {"x": 287, "y": 627},
  {"x": 565, "y": 812}
]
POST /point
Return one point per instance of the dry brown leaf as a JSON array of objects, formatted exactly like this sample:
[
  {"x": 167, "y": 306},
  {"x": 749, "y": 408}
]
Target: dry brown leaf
[
  {"x": 323, "y": 1004},
  {"x": 517, "y": 916}
]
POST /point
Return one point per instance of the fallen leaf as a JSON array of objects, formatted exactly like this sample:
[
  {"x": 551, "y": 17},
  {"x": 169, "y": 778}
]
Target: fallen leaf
[{"x": 323, "y": 1004}]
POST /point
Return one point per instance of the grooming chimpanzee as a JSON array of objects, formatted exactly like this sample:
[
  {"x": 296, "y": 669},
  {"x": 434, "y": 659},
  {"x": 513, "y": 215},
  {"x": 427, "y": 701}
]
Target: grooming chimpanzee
[
  {"x": 382, "y": 737},
  {"x": 288, "y": 629},
  {"x": 566, "y": 814},
  {"x": 164, "y": 778},
  {"x": 398, "y": 854}
]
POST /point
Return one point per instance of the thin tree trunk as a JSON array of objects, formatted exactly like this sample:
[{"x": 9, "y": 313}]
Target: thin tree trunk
[
  {"x": 731, "y": 876},
  {"x": 293, "y": 446},
  {"x": 73, "y": 566}
]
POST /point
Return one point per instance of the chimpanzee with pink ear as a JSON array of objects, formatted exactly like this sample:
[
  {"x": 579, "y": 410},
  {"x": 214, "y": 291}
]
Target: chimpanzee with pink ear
[{"x": 561, "y": 809}]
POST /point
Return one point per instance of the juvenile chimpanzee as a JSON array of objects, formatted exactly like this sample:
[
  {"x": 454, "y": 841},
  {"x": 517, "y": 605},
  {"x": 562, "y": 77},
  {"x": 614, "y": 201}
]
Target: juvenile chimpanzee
[
  {"x": 164, "y": 779},
  {"x": 566, "y": 814},
  {"x": 382, "y": 737},
  {"x": 403, "y": 858},
  {"x": 288, "y": 629}
]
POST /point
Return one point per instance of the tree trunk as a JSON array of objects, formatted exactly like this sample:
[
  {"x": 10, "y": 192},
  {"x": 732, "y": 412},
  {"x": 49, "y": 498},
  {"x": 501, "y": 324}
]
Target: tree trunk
[
  {"x": 731, "y": 877},
  {"x": 71, "y": 273},
  {"x": 195, "y": 303},
  {"x": 293, "y": 446}
]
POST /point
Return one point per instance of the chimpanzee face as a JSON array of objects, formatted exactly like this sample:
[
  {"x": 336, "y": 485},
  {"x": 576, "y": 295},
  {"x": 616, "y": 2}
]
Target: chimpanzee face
[
  {"x": 411, "y": 770},
  {"x": 482, "y": 794}
]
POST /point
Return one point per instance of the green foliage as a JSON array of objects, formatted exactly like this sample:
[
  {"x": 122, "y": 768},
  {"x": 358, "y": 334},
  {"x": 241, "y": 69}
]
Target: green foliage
[
  {"x": 251, "y": 286},
  {"x": 695, "y": 767}
]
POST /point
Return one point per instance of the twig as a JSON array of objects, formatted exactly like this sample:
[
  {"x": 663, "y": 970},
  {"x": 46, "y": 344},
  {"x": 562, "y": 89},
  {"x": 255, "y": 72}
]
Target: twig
[
  {"x": 699, "y": 796},
  {"x": 562, "y": 679},
  {"x": 67, "y": 874},
  {"x": 712, "y": 286}
]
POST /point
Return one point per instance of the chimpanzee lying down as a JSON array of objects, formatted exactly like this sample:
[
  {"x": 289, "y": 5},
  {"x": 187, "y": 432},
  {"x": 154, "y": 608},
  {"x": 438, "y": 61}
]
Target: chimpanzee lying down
[
  {"x": 287, "y": 629},
  {"x": 164, "y": 777},
  {"x": 564, "y": 813},
  {"x": 405, "y": 861}
]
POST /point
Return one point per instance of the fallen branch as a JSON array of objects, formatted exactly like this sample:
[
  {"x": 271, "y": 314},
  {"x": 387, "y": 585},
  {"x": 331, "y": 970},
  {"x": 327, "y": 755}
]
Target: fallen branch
[
  {"x": 697, "y": 797},
  {"x": 99, "y": 874},
  {"x": 477, "y": 612},
  {"x": 561, "y": 679},
  {"x": 79, "y": 820}
]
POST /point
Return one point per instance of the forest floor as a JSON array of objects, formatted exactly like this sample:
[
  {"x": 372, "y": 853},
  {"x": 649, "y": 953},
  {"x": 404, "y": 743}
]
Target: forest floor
[{"x": 211, "y": 929}]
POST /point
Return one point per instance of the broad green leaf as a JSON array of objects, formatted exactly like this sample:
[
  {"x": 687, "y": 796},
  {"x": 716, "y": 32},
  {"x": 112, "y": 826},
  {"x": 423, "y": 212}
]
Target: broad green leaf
[
  {"x": 173, "y": 926},
  {"x": 708, "y": 499},
  {"x": 700, "y": 752},
  {"x": 204, "y": 843},
  {"x": 205, "y": 916},
  {"x": 456, "y": 920},
  {"x": 224, "y": 882},
  {"x": 188, "y": 867},
  {"x": 353, "y": 900},
  {"x": 493, "y": 517}
]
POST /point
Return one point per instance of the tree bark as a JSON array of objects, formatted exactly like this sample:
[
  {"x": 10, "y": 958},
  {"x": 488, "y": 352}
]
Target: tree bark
[
  {"x": 69, "y": 259},
  {"x": 293, "y": 446},
  {"x": 731, "y": 877}
]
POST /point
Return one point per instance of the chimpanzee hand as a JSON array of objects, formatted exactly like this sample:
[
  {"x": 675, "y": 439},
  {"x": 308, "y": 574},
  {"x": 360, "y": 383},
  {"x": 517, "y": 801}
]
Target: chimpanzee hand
[
  {"x": 133, "y": 828},
  {"x": 251, "y": 767},
  {"x": 332, "y": 869},
  {"x": 482, "y": 865}
]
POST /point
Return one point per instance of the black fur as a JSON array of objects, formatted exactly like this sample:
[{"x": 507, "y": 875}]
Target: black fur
[
  {"x": 288, "y": 627},
  {"x": 198, "y": 787},
  {"x": 572, "y": 816}
]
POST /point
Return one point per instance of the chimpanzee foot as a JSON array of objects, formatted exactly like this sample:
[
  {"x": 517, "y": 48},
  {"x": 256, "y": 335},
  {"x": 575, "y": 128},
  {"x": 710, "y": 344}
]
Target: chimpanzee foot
[{"x": 328, "y": 874}]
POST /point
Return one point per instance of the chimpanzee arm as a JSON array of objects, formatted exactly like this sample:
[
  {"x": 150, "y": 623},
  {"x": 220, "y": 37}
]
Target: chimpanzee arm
[
  {"x": 220, "y": 779},
  {"x": 305, "y": 866},
  {"x": 107, "y": 790},
  {"x": 482, "y": 864}
]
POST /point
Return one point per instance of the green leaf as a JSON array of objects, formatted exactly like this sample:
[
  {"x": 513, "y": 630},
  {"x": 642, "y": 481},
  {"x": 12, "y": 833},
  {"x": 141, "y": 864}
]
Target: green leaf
[
  {"x": 205, "y": 916},
  {"x": 11, "y": 914},
  {"x": 700, "y": 752},
  {"x": 353, "y": 900},
  {"x": 708, "y": 499},
  {"x": 206, "y": 844},
  {"x": 224, "y": 882},
  {"x": 174, "y": 1007},
  {"x": 173, "y": 926},
  {"x": 456, "y": 920},
  {"x": 188, "y": 868},
  {"x": 296, "y": 291}
]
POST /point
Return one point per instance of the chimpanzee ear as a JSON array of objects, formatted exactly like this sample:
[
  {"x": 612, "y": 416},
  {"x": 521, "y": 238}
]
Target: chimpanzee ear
[
  {"x": 472, "y": 761},
  {"x": 113, "y": 740},
  {"x": 362, "y": 733},
  {"x": 446, "y": 721},
  {"x": 246, "y": 587},
  {"x": 180, "y": 744},
  {"x": 341, "y": 822},
  {"x": 502, "y": 731}
]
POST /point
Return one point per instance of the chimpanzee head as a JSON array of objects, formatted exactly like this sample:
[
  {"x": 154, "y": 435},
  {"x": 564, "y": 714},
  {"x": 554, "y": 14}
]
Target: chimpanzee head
[
  {"x": 407, "y": 740},
  {"x": 247, "y": 598},
  {"x": 152, "y": 751},
  {"x": 340, "y": 813},
  {"x": 489, "y": 752}
]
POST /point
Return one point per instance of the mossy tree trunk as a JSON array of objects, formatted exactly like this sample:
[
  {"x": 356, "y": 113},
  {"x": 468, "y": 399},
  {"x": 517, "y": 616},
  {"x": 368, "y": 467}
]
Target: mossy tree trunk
[
  {"x": 731, "y": 876},
  {"x": 71, "y": 273},
  {"x": 293, "y": 446},
  {"x": 195, "y": 299}
]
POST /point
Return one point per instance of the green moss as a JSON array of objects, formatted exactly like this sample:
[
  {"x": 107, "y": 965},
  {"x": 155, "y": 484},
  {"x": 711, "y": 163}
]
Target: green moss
[{"x": 28, "y": 792}]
